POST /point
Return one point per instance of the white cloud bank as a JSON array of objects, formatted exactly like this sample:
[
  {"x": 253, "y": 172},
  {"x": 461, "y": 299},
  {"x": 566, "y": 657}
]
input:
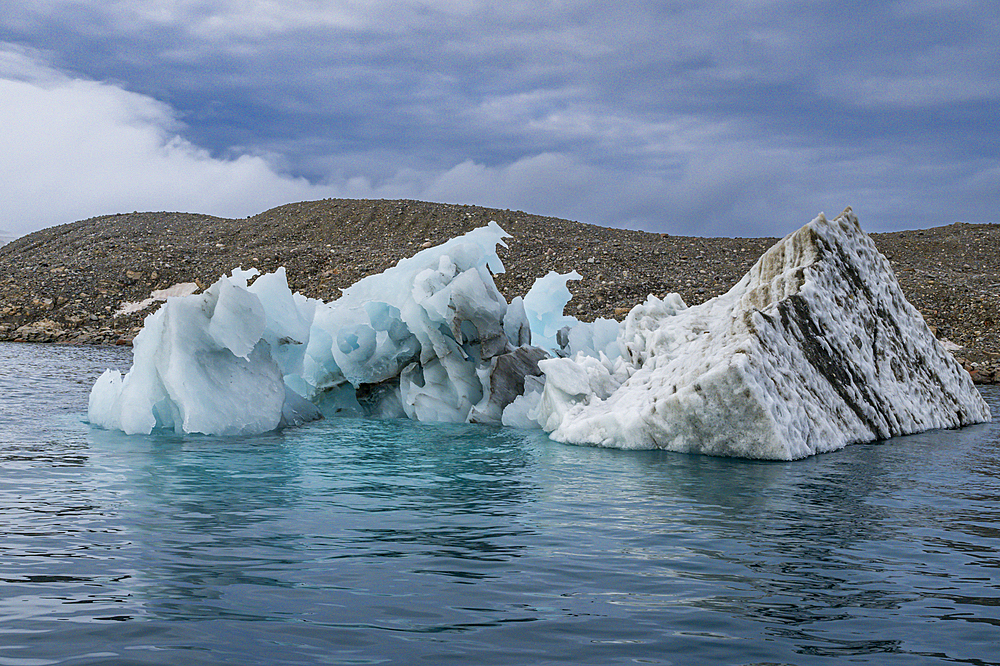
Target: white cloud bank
[{"x": 73, "y": 148}]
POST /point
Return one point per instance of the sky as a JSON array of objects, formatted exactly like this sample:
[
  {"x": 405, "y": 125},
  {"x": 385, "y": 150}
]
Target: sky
[{"x": 721, "y": 118}]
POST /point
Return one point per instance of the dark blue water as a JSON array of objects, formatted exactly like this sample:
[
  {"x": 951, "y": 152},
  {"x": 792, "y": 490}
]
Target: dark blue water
[{"x": 361, "y": 542}]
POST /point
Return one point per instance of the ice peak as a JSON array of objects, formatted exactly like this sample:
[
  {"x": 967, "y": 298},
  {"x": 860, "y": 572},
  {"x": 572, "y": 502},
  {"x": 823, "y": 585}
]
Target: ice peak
[{"x": 815, "y": 348}]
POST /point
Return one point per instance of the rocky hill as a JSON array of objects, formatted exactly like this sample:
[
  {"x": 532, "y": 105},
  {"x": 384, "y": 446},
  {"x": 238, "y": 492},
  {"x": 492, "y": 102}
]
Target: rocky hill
[{"x": 65, "y": 283}]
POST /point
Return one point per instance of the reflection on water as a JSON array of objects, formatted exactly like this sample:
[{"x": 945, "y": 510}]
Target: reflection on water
[
  {"x": 311, "y": 510},
  {"x": 393, "y": 542}
]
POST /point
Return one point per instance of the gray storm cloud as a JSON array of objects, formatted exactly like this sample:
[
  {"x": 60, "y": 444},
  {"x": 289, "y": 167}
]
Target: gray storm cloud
[{"x": 725, "y": 118}]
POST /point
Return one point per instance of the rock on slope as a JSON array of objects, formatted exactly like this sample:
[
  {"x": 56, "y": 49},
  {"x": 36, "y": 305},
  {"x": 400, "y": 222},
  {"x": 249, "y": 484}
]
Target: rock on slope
[{"x": 815, "y": 348}]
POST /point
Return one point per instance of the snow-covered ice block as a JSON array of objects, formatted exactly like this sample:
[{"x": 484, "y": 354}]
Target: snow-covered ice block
[
  {"x": 503, "y": 381},
  {"x": 815, "y": 348}
]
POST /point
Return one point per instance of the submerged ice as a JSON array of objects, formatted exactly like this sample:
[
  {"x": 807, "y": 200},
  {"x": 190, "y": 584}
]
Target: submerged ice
[{"x": 815, "y": 348}]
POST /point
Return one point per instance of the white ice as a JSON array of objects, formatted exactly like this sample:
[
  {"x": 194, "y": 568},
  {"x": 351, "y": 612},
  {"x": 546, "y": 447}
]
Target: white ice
[{"x": 815, "y": 348}]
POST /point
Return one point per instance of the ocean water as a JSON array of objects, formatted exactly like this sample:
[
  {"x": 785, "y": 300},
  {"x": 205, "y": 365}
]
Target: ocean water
[{"x": 360, "y": 542}]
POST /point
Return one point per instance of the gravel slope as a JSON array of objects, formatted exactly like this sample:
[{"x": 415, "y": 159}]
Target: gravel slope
[{"x": 64, "y": 284}]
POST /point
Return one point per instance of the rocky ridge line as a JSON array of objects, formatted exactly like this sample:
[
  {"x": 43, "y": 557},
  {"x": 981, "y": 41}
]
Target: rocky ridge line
[{"x": 65, "y": 283}]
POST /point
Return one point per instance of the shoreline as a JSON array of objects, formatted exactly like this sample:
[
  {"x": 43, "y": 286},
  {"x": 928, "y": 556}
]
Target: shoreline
[
  {"x": 982, "y": 374},
  {"x": 64, "y": 284}
]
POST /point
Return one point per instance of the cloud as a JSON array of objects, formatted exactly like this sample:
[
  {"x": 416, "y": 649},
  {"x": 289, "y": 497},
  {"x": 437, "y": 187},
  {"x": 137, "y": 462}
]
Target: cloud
[
  {"x": 727, "y": 116},
  {"x": 79, "y": 148},
  {"x": 75, "y": 148}
]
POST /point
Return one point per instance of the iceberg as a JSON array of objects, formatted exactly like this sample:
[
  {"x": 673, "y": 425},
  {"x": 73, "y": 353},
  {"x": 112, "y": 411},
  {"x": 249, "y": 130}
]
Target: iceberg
[
  {"x": 428, "y": 339},
  {"x": 814, "y": 349}
]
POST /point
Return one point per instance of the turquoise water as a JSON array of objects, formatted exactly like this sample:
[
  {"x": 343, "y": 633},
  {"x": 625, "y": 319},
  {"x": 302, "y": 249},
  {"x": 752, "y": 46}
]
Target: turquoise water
[{"x": 361, "y": 542}]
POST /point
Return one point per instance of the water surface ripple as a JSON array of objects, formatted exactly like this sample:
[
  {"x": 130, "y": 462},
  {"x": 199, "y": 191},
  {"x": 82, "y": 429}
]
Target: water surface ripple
[{"x": 361, "y": 542}]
